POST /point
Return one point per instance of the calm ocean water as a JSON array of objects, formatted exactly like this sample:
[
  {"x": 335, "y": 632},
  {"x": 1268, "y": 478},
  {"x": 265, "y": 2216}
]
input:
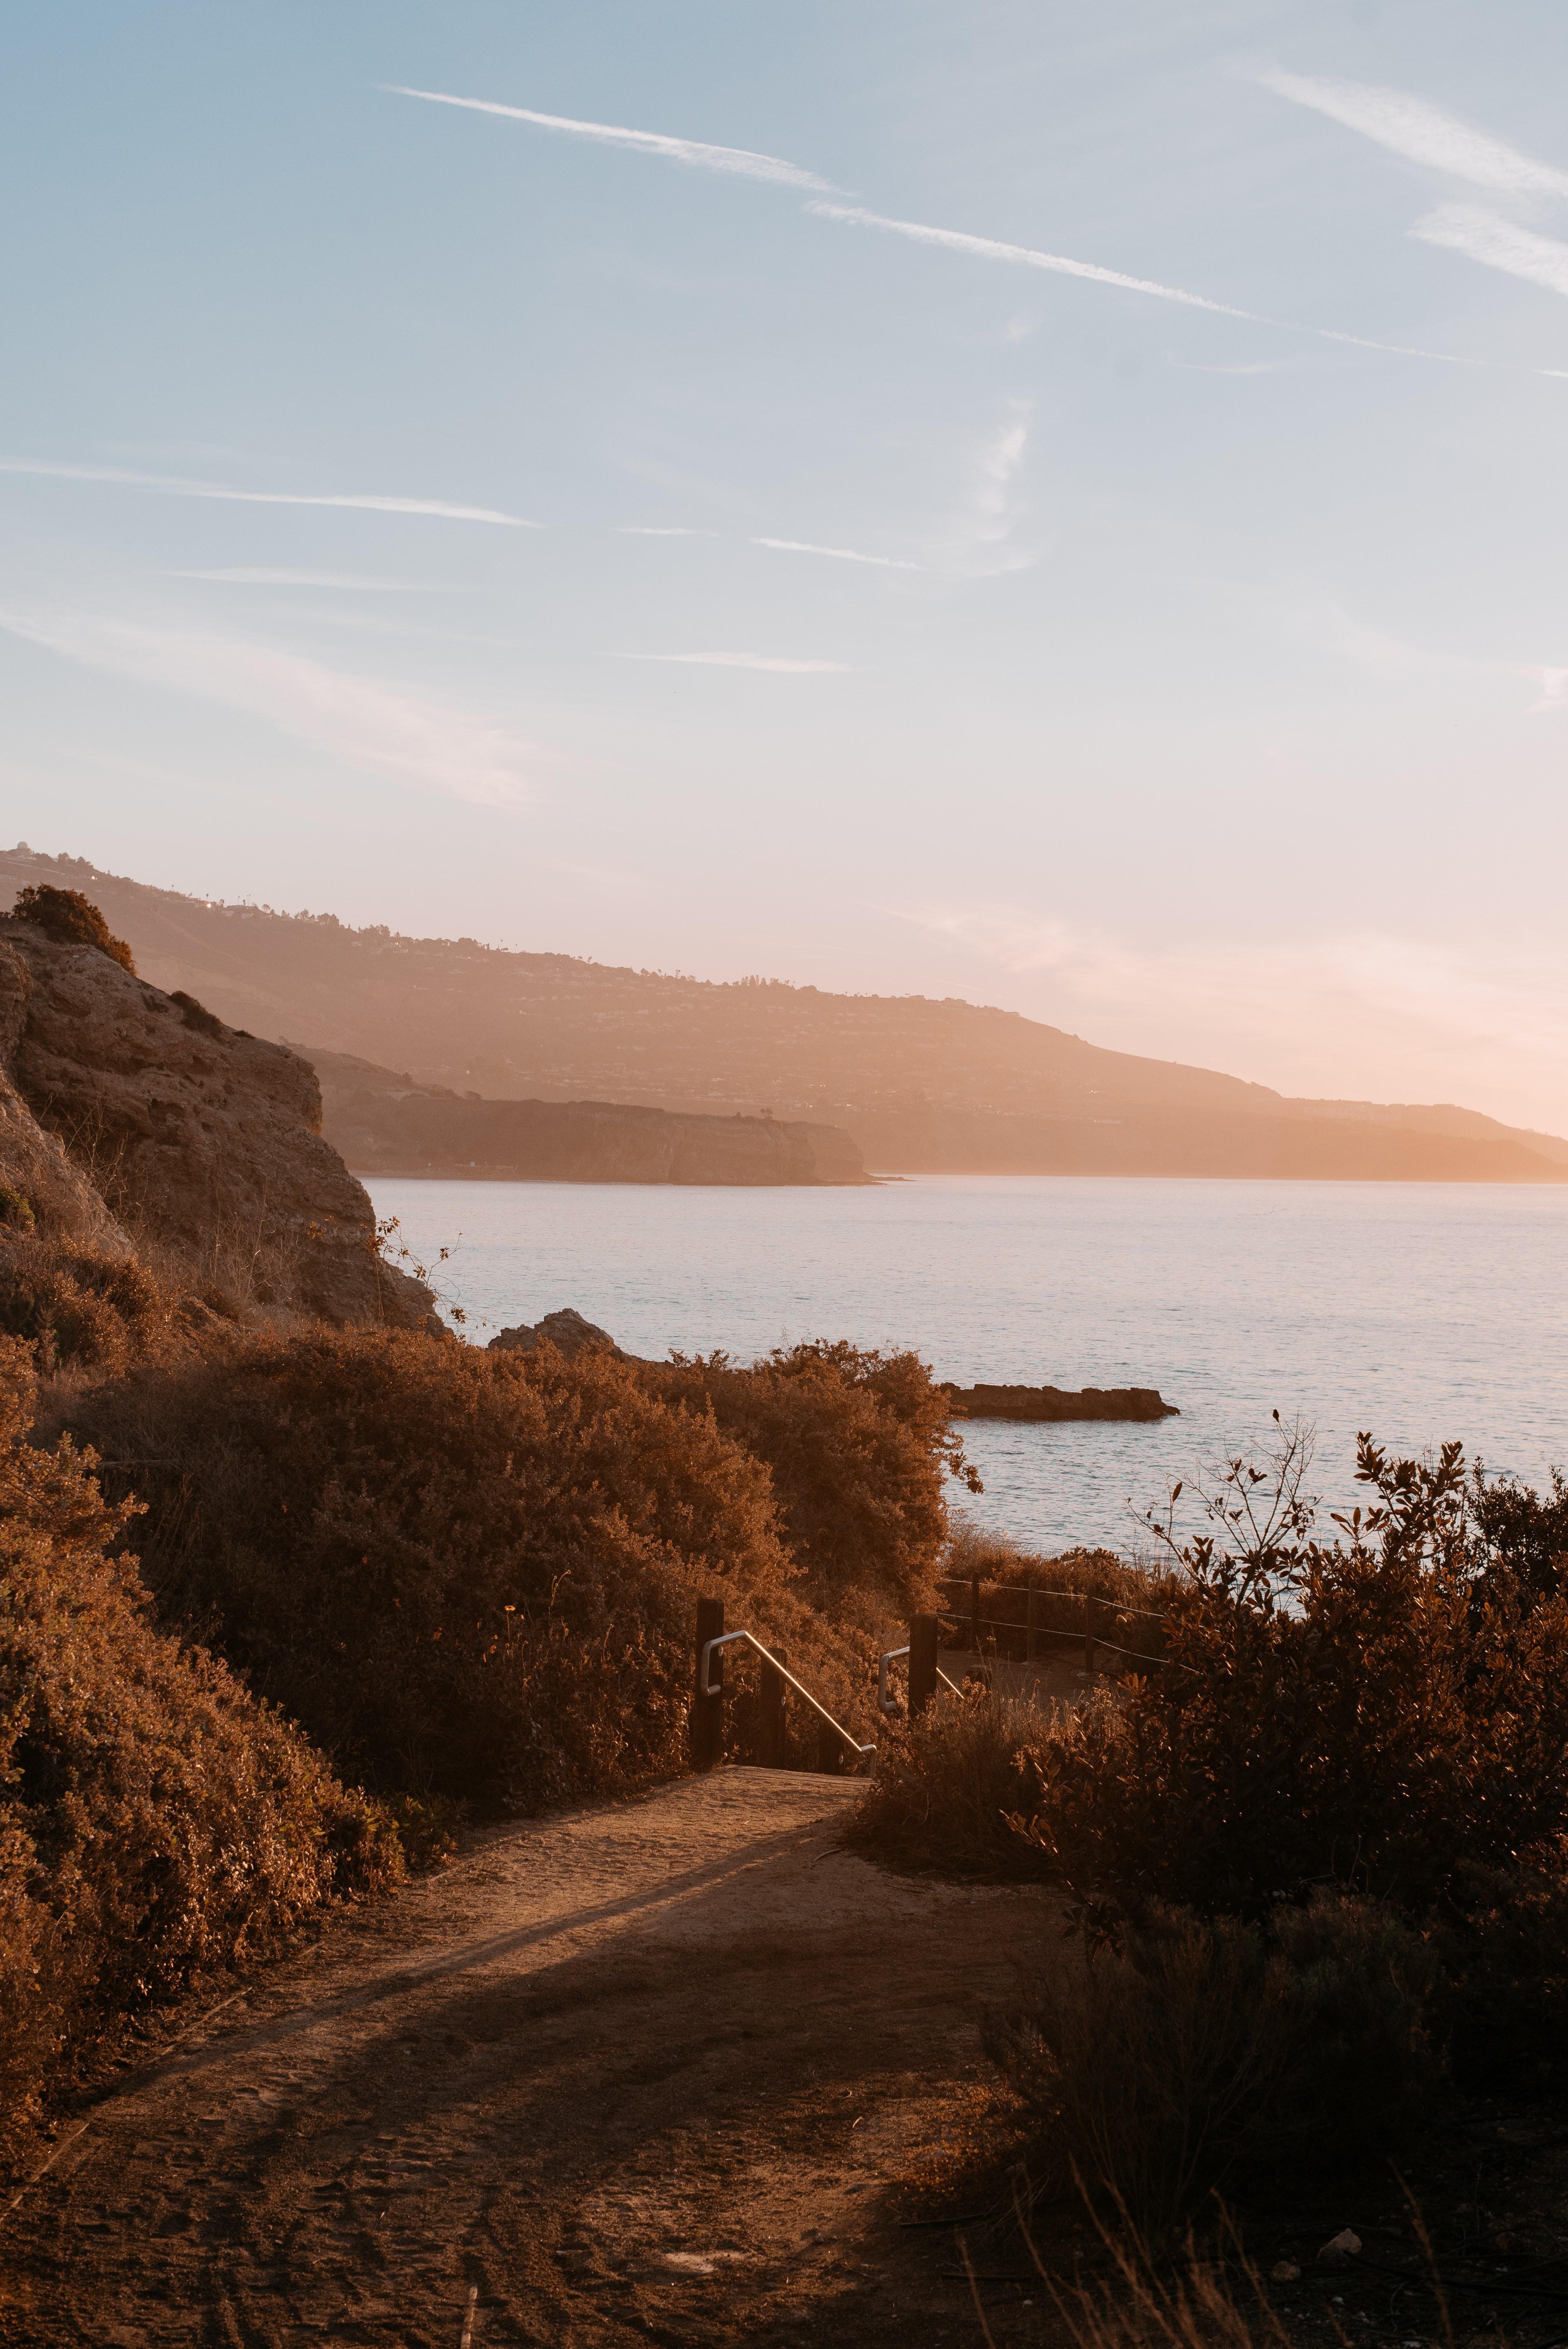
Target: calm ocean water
[{"x": 1421, "y": 1311}]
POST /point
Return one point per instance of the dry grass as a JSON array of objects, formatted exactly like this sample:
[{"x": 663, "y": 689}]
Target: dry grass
[{"x": 1157, "y": 2071}]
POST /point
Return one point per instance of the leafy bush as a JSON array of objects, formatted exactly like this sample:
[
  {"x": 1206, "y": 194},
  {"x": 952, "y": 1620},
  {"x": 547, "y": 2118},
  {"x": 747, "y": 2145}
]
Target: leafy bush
[
  {"x": 154, "y": 1820},
  {"x": 1154, "y": 2072},
  {"x": 860, "y": 1446},
  {"x": 71, "y": 920},
  {"x": 1382, "y": 1714},
  {"x": 1330, "y": 1826},
  {"x": 466, "y": 1574},
  {"x": 78, "y": 1307},
  {"x": 1515, "y": 1530},
  {"x": 16, "y": 1209}
]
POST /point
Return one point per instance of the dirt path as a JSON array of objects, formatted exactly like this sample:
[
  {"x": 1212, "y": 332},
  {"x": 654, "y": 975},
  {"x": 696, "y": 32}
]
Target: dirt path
[{"x": 640, "y": 2072}]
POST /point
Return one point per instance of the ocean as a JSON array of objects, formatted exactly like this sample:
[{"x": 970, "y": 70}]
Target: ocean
[{"x": 1421, "y": 1311}]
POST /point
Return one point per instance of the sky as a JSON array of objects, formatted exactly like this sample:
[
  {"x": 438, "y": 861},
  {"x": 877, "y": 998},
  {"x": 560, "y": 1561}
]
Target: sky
[{"x": 1057, "y": 506}]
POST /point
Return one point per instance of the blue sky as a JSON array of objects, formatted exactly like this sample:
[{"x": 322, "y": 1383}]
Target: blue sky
[{"x": 609, "y": 544}]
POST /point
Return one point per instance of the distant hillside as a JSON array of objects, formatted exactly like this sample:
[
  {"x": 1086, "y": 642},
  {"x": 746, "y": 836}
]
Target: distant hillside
[
  {"x": 384, "y": 1123},
  {"x": 920, "y": 1085}
]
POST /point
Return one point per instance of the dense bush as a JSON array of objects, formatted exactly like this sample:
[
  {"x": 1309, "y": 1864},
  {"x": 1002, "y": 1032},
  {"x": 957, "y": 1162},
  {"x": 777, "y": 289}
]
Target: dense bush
[
  {"x": 154, "y": 1820},
  {"x": 464, "y": 1573},
  {"x": 79, "y": 1309},
  {"x": 1196, "y": 2052},
  {"x": 1382, "y": 1722},
  {"x": 71, "y": 919},
  {"x": 860, "y": 1447}
]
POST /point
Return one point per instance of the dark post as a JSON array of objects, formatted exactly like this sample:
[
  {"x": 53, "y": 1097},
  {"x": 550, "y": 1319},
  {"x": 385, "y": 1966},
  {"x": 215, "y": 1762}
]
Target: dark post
[
  {"x": 830, "y": 1752},
  {"x": 707, "y": 1712},
  {"x": 770, "y": 1715},
  {"x": 1090, "y": 1613},
  {"x": 974, "y": 1615},
  {"x": 1030, "y": 1634},
  {"x": 922, "y": 1663}
]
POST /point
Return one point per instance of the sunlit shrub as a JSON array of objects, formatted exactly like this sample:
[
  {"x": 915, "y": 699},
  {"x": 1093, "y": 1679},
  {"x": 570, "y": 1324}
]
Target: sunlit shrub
[
  {"x": 467, "y": 1573},
  {"x": 154, "y": 1820},
  {"x": 70, "y": 919},
  {"x": 860, "y": 1448}
]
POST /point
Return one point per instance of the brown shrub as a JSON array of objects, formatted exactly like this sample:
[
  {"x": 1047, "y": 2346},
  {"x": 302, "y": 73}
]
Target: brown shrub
[
  {"x": 154, "y": 1821},
  {"x": 947, "y": 1787},
  {"x": 860, "y": 1446},
  {"x": 1157, "y": 2073},
  {"x": 79, "y": 1309},
  {"x": 465, "y": 1573},
  {"x": 71, "y": 920}
]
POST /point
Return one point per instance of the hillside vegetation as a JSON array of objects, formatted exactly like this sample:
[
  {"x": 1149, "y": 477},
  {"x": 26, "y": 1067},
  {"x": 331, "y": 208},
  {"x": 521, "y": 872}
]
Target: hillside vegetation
[{"x": 916, "y": 1083}]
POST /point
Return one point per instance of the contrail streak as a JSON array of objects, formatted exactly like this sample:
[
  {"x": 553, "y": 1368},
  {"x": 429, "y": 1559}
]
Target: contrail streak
[
  {"x": 173, "y": 486},
  {"x": 839, "y": 553},
  {"x": 989, "y": 249},
  {"x": 992, "y": 249},
  {"x": 741, "y": 162}
]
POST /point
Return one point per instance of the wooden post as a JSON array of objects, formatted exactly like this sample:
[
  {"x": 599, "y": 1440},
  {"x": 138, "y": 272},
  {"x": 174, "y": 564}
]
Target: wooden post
[
  {"x": 770, "y": 1730},
  {"x": 974, "y": 1615},
  {"x": 1029, "y": 1631},
  {"x": 1089, "y": 1627},
  {"x": 830, "y": 1752},
  {"x": 922, "y": 1663},
  {"x": 707, "y": 1712}
]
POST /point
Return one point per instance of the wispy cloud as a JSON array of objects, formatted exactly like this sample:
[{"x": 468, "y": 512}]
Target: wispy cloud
[
  {"x": 662, "y": 530},
  {"x": 1419, "y": 131},
  {"x": 996, "y": 465},
  {"x": 975, "y": 545},
  {"x": 443, "y": 748},
  {"x": 244, "y": 578},
  {"x": 739, "y": 161},
  {"x": 1393, "y": 658},
  {"x": 1500, "y": 243},
  {"x": 173, "y": 485},
  {"x": 837, "y": 554},
  {"x": 746, "y": 660},
  {"x": 988, "y": 248}
]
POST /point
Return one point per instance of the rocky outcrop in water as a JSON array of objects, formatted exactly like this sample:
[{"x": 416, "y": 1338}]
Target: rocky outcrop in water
[
  {"x": 569, "y": 1331},
  {"x": 1045, "y": 1404},
  {"x": 132, "y": 1117}
]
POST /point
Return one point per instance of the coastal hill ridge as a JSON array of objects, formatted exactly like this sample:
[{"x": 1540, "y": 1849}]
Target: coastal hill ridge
[{"x": 918, "y": 1085}]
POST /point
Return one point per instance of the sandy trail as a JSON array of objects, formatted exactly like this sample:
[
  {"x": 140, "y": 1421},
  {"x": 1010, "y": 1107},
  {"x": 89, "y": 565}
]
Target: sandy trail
[{"x": 641, "y": 2072}]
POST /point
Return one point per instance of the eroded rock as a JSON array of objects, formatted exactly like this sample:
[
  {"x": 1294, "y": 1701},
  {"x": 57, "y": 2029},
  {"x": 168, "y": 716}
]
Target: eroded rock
[{"x": 200, "y": 1144}]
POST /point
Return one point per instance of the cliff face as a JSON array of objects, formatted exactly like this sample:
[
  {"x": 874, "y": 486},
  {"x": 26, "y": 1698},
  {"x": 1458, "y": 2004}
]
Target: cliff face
[
  {"x": 387, "y": 1124},
  {"x": 130, "y": 1113},
  {"x": 35, "y": 1165}
]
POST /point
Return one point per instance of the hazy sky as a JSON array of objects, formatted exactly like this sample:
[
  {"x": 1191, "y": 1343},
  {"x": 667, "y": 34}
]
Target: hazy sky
[{"x": 1059, "y": 505}]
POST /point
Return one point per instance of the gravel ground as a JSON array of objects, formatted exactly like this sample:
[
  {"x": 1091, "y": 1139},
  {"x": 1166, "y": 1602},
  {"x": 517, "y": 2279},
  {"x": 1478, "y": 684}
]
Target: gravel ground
[{"x": 644, "y": 2072}]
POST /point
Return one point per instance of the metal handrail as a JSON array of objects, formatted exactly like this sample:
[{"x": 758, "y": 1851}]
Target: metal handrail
[
  {"x": 727, "y": 1639},
  {"x": 1045, "y": 1590},
  {"x": 886, "y": 1703}
]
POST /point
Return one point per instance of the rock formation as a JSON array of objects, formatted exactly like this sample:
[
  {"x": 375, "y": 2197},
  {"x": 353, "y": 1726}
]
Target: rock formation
[
  {"x": 389, "y": 1124},
  {"x": 568, "y": 1330},
  {"x": 1058, "y": 1402},
  {"x": 129, "y": 1117}
]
